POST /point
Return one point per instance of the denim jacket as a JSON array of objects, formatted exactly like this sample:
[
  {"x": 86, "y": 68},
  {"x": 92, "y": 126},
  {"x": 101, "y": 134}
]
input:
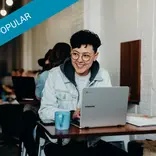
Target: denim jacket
[
  {"x": 60, "y": 91},
  {"x": 40, "y": 82}
]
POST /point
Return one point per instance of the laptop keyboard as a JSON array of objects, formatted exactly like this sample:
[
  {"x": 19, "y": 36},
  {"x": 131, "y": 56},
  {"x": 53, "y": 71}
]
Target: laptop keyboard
[{"x": 76, "y": 122}]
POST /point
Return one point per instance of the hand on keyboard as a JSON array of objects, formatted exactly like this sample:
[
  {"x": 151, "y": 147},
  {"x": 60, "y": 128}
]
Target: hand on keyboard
[{"x": 76, "y": 114}]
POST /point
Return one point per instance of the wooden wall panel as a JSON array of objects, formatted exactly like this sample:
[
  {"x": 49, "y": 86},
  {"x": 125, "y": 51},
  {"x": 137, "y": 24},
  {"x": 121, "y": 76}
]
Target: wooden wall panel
[{"x": 130, "y": 68}]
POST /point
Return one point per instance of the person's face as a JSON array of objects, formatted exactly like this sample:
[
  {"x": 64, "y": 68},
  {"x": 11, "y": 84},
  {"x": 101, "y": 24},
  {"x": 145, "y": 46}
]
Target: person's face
[
  {"x": 18, "y": 73},
  {"x": 13, "y": 73},
  {"x": 47, "y": 62},
  {"x": 82, "y": 59}
]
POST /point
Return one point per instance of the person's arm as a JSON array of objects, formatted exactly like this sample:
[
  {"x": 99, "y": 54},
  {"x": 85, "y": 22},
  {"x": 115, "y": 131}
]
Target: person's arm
[
  {"x": 39, "y": 87},
  {"x": 40, "y": 83},
  {"x": 49, "y": 103}
]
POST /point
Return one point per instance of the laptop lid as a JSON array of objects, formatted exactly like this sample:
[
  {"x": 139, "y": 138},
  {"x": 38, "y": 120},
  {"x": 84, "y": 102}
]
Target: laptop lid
[
  {"x": 24, "y": 88},
  {"x": 104, "y": 106}
]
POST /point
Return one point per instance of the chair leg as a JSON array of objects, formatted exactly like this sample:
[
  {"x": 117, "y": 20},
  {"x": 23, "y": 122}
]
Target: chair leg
[
  {"x": 41, "y": 147},
  {"x": 23, "y": 150}
]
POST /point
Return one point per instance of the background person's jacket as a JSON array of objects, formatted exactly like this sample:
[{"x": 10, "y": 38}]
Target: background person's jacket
[{"x": 40, "y": 82}]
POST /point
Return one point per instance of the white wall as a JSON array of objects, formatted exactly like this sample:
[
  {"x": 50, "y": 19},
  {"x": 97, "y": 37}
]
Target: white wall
[
  {"x": 44, "y": 36},
  {"x": 27, "y": 46},
  {"x": 110, "y": 58},
  {"x": 125, "y": 21},
  {"x": 27, "y": 50},
  {"x": 135, "y": 21}
]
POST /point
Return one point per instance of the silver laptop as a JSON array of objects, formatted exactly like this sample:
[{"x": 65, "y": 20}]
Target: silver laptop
[{"x": 104, "y": 106}]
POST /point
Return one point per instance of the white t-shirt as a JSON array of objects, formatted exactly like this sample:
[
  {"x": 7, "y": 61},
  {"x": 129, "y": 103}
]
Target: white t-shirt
[{"x": 82, "y": 82}]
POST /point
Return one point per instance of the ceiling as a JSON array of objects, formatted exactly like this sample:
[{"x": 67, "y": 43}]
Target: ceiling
[{"x": 17, "y": 4}]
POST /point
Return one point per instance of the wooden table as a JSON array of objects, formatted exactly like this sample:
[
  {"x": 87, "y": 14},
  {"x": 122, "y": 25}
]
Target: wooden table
[
  {"x": 31, "y": 102},
  {"x": 103, "y": 131}
]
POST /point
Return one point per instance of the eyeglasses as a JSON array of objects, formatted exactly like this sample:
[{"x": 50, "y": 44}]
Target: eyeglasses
[{"x": 85, "y": 57}]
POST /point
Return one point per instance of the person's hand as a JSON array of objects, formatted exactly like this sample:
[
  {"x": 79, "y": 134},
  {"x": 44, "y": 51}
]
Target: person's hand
[
  {"x": 7, "y": 89},
  {"x": 76, "y": 114}
]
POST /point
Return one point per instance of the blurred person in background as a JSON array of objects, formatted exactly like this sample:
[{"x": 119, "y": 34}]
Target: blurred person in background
[
  {"x": 54, "y": 57},
  {"x": 60, "y": 53},
  {"x": 30, "y": 116},
  {"x": 44, "y": 62}
]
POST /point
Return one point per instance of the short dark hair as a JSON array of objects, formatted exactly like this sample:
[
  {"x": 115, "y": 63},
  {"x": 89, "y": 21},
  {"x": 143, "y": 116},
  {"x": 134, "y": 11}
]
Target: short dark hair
[{"x": 85, "y": 37}]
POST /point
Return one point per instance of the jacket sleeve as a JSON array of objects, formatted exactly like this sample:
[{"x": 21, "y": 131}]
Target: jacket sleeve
[
  {"x": 40, "y": 82},
  {"x": 109, "y": 84},
  {"x": 49, "y": 103},
  {"x": 39, "y": 87},
  {"x": 106, "y": 78}
]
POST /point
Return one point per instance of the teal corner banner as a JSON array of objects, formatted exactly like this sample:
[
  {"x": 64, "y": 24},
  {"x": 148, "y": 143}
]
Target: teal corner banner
[{"x": 29, "y": 16}]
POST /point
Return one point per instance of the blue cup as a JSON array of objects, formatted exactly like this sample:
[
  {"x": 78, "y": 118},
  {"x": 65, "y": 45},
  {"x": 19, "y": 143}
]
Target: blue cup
[{"x": 62, "y": 120}]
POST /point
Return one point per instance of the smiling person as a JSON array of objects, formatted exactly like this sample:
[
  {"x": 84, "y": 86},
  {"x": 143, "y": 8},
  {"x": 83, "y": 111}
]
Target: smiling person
[{"x": 63, "y": 91}]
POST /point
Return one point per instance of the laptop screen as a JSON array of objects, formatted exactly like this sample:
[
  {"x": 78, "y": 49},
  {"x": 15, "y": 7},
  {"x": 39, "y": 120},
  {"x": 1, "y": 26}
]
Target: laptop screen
[{"x": 24, "y": 88}]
